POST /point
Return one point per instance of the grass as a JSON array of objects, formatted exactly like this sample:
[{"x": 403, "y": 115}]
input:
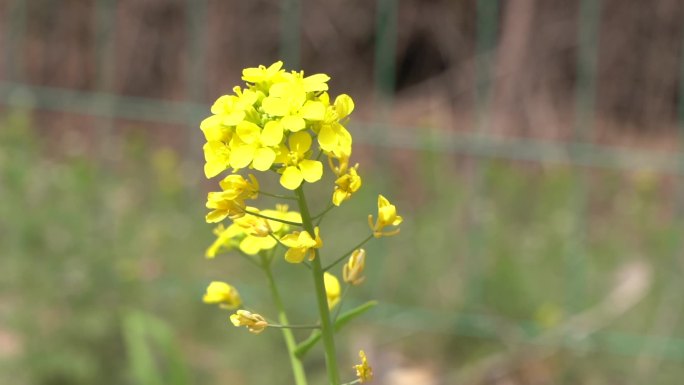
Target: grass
[{"x": 103, "y": 271}]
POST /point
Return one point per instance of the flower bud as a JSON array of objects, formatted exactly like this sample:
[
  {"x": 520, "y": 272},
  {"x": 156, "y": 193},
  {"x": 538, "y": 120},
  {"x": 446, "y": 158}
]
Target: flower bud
[
  {"x": 255, "y": 323},
  {"x": 352, "y": 272}
]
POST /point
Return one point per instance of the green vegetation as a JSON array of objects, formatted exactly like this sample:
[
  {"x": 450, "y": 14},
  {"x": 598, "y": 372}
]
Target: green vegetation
[{"x": 102, "y": 271}]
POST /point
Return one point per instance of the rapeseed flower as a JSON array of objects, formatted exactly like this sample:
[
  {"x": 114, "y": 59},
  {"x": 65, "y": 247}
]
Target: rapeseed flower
[
  {"x": 254, "y": 145},
  {"x": 363, "y": 371},
  {"x": 332, "y": 289},
  {"x": 226, "y": 239},
  {"x": 255, "y": 323},
  {"x": 263, "y": 77},
  {"x": 333, "y": 138},
  {"x": 223, "y": 294},
  {"x": 352, "y": 272},
  {"x": 216, "y": 158},
  {"x": 237, "y": 187},
  {"x": 301, "y": 245},
  {"x": 346, "y": 185},
  {"x": 223, "y": 206},
  {"x": 387, "y": 216},
  {"x": 299, "y": 168}
]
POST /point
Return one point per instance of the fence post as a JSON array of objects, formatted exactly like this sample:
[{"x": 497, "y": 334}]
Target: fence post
[
  {"x": 290, "y": 21},
  {"x": 487, "y": 19},
  {"x": 585, "y": 96}
]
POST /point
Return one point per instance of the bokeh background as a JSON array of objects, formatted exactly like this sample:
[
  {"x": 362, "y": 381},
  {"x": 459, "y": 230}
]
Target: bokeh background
[{"x": 534, "y": 148}]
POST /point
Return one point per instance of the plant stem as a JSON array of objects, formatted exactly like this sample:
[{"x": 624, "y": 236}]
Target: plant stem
[
  {"x": 288, "y": 336},
  {"x": 271, "y": 218},
  {"x": 345, "y": 255},
  {"x": 277, "y": 195},
  {"x": 316, "y": 327},
  {"x": 327, "y": 331}
]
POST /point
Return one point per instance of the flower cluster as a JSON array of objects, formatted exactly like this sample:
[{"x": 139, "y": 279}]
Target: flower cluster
[
  {"x": 286, "y": 124},
  {"x": 252, "y": 232},
  {"x": 271, "y": 125}
]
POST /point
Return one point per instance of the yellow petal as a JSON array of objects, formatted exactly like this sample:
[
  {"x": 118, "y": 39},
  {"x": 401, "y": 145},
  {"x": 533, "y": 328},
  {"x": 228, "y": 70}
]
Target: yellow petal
[
  {"x": 312, "y": 170},
  {"x": 275, "y": 106},
  {"x": 295, "y": 255},
  {"x": 300, "y": 142},
  {"x": 223, "y": 104},
  {"x": 211, "y": 169},
  {"x": 327, "y": 138},
  {"x": 293, "y": 123},
  {"x": 233, "y": 118},
  {"x": 344, "y": 105},
  {"x": 338, "y": 197},
  {"x": 272, "y": 134},
  {"x": 212, "y": 128},
  {"x": 313, "y": 111},
  {"x": 250, "y": 245},
  {"x": 275, "y": 67},
  {"x": 216, "y": 216},
  {"x": 316, "y": 82},
  {"x": 291, "y": 178},
  {"x": 242, "y": 156},
  {"x": 281, "y": 154},
  {"x": 248, "y": 132},
  {"x": 263, "y": 158}
]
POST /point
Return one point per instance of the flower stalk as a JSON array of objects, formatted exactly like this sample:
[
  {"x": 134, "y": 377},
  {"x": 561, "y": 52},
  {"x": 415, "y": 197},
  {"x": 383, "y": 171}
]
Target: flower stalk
[
  {"x": 282, "y": 123},
  {"x": 327, "y": 331},
  {"x": 288, "y": 336}
]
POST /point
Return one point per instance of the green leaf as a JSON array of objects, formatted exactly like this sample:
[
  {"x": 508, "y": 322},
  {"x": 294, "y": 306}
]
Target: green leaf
[
  {"x": 153, "y": 355},
  {"x": 342, "y": 320}
]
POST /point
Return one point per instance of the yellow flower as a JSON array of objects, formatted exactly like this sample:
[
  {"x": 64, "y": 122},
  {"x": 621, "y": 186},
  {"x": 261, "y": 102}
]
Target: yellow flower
[
  {"x": 363, "y": 371},
  {"x": 255, "y": 323},
  {"x": 247, "y": 232},
  {"x": 254, "y": 145},
  {"x": 288, "y": 100},
  {"x": 342, "y": 165},
  {"x": 301, "y": 245},
  {"x": 253, "y": 225},
  {"x": 262, "y": 76},
  {"x": 387, "y": 216},
  {"x": 216, "y": 158},
  {"x": 299, "y": 168},
  {"x": 281, "y": 212},
  {"x": 346, "y": 185},
  {"x": 231, "y": 201},
  {"x": 223, "y": 206},
  {"x": 332, "y": 289},
  {"x": 352, "y": 272},
  {"x": 256, "y": 231},
  {"x": 231, "y": 109},
  {"x": 223, "y": 294},
  {"x": 237, "y": 187},
  {"x": 226, "y": 239},
  {"x": 333, "y": 138}
]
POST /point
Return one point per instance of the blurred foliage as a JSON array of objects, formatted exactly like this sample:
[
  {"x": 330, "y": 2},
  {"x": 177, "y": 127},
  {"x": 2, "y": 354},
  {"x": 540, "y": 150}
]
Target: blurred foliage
[{"x": 102, "y": 269}]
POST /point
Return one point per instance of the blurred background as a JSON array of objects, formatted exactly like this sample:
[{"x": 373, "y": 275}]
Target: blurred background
[{"x": 534, "y": 148}]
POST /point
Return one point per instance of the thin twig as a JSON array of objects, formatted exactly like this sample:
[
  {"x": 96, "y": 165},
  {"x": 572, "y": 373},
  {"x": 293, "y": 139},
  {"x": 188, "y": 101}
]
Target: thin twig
[{"x": 338, "y": 260}]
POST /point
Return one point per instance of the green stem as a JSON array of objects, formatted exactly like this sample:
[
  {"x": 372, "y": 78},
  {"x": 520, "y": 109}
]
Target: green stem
[
  {"x": 277, "y": 195},
  {"x": 271, "y": 218},
  {"x": 327, "y": 331},
  {"x": 322, "y": 215},
  {"x": 271, "y": 325},
  {"x": 345, "y": 255},
  {"x": 339, "y": 305},
  {"x": 288, "y": 336}
]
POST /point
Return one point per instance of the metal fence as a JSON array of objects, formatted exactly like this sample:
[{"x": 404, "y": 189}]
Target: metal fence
[{"x": 482, "y": 146}]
